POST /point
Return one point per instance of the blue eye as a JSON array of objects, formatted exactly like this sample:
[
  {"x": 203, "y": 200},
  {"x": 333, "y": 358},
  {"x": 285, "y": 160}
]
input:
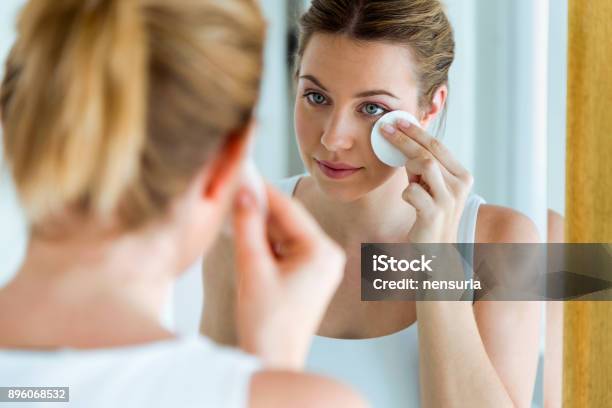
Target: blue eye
[
  {"x": 315, "y": 98},
  {"x": 372, "y": 109}
]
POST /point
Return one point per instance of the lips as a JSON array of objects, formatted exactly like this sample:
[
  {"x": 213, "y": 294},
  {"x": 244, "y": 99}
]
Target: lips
[
  {"x": 337, "y": 165},
  {"x": 336, "y": 170}
]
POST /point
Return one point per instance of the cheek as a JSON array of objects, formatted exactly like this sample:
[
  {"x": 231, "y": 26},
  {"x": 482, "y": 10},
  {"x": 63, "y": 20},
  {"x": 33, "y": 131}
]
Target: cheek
[
  {"x": 307, "y": 128},
  {"x": 372, "y": 161},
  {"x": 378, "y": 172}
]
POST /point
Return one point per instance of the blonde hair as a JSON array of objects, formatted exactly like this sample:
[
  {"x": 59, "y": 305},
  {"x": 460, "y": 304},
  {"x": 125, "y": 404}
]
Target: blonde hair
[
  {"x": 420, "y": 25},
  {"x": 110, "y": 107}
]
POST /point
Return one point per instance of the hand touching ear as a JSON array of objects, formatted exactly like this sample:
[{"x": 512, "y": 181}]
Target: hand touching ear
[{"x": 288, "y": 271}]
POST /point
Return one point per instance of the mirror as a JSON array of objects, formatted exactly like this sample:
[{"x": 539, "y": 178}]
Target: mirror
[{"x": 504, "y": 123}]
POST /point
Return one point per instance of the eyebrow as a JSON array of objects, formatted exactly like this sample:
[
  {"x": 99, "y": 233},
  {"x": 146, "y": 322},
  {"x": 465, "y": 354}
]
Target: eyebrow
[
  {"x": 315, "y": 81},
  {"x": 363, "y": 94}
]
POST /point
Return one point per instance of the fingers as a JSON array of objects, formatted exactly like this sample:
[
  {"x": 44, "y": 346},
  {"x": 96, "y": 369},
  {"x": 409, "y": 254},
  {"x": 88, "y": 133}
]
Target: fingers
[
  {"x": 407, "y": 133},
  {"x": 290, "y": 221},
  {"x": 416, "y": 196},
  {"x": 430, "y": 173},
  {"x": 405, "y": 144},
  {"x": 413, "y": 150},
  {"x": 251, "y": 246}
]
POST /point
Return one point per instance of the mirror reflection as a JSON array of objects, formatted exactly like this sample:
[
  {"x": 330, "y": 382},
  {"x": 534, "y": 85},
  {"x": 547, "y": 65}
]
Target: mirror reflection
[{"x": 483, "y": 85}]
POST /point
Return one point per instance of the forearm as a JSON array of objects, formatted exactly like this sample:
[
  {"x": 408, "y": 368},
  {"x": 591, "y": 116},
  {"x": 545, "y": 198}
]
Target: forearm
[{"x": 455, "y": 369}]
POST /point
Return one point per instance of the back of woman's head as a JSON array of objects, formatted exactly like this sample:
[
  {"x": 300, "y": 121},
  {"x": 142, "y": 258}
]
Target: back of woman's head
[
  {"x": 110, "y": 107},
  {"x": 420, "y": 25}
]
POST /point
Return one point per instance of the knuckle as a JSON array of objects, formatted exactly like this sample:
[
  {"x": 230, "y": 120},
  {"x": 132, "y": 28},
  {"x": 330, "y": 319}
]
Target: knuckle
[
  {"x": 411, "y": 189},
  {"x": 448, "y": 200},
  {"x": 467, "y": 178},
  {"x": 428, "y": 214},
  {"x": 406, "y": 194},
  {"x": 456, "y": 186},
  {"x": 435, "y": 145},
  {"x": 428, "y": 163},
  {"x": 399, "y": 137}
]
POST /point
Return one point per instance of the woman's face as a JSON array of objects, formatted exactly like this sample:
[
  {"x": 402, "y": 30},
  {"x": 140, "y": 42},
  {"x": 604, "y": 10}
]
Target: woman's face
[{"x": 344, "y": 87}]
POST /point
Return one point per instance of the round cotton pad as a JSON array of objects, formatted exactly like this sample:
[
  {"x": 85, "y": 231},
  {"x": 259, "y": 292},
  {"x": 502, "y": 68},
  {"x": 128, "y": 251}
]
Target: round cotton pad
[{"x": 384, "y": 150}]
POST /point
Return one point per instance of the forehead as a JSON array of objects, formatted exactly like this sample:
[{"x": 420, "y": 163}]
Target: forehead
[{"x": 342, "y": 62}]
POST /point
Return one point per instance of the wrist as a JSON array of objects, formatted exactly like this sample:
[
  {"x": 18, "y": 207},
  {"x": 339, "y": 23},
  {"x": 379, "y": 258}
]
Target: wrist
[{"x": 281, "y": 351}]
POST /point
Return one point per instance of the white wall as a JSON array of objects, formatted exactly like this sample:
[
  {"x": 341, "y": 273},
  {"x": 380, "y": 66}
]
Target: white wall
[
  {"x": 557, "y": 104},
  {"x": 520, "y": 100},
  {"x": 510, "y": 106},
  {"x": 460, "y": 134},
  {"x": 8, "y": 12},
  {"x": 272, "y": 146}
]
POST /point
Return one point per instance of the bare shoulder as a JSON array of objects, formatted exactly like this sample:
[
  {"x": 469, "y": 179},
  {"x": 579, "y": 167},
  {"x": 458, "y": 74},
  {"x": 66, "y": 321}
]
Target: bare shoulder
[
  {"x": 501, "y": 225},
  {"x": 556, "y": 227},
  {"x": 271, "y": 389},
  {"x": 504, "y": 225}
]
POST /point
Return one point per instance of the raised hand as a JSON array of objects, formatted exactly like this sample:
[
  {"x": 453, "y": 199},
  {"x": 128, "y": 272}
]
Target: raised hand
[{"x": 439, "y": 184}]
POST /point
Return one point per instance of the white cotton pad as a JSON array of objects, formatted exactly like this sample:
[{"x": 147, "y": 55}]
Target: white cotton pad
[
  {"x": 384, "y": 150},
  {"x": 253, "y": 179}
]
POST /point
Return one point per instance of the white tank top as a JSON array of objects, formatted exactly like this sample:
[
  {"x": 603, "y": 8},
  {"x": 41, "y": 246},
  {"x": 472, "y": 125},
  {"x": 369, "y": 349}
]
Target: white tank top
[
  {"x": 189, "y": 371},
  {"x": 385, "y": 369}
]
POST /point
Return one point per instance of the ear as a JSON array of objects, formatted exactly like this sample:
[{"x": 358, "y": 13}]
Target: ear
[
  {"x": 437, "y": 104},
  {"x": 226, "y": 166}
]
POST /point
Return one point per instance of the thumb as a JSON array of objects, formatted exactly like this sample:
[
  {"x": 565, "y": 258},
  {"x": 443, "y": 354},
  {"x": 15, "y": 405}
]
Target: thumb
[{"x": 252, "y": 251}]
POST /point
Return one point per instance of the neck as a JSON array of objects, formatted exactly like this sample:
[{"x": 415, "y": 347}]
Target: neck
[
  {"x": 379, "y": 216},
  {"x": 87, "y": 291}
]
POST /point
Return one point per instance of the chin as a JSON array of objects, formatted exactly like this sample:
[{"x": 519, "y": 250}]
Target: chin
[
  {"x": 344, "y": 190},
  {"x": 342, "y": 195}
]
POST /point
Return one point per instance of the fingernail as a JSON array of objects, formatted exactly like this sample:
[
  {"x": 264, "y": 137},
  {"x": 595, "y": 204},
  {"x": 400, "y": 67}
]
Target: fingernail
[
  {"x": 404, "y": 123},
  {"x": 388, "y": 129},
  {"x": 245, "y": 199}
]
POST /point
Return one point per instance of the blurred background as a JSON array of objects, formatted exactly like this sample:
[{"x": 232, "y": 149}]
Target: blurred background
[{"x": 506, "y": 117}]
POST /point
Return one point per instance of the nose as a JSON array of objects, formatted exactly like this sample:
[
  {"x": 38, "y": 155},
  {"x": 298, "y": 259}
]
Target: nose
[{"x": 339, "y": 134}]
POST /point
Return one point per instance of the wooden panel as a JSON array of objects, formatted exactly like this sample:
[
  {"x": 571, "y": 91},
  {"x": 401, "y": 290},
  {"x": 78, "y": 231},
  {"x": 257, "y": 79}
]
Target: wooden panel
[{"x": 587, "y": 366}]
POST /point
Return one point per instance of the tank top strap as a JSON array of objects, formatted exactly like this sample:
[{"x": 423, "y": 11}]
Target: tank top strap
[
  {"x": 467, "y": 224},
  {"x": 287, "y": 185},
  {"x": 466, "y": 237}
]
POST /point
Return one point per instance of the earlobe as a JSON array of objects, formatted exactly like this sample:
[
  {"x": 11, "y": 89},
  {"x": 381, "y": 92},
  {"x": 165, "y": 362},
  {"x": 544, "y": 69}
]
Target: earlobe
[
  {"x": 436, "y": 106},
  {"x": 225, "y": 167}
]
